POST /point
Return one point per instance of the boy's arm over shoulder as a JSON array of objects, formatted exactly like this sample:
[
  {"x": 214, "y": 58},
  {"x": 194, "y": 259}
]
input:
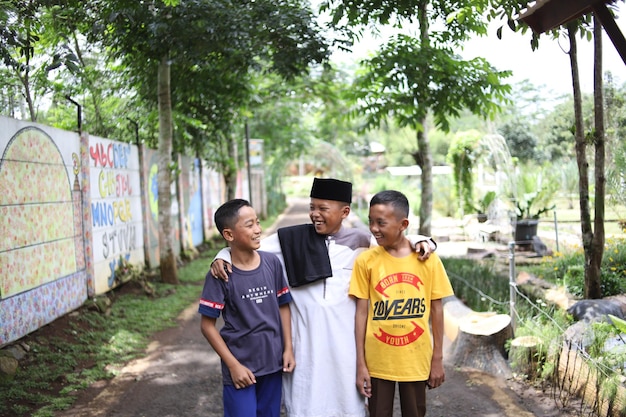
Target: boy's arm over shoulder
[
  {"x": 221, "y": 264},
  {"x": 423, "y": 245},
  {"x": 223, "y": 254}
]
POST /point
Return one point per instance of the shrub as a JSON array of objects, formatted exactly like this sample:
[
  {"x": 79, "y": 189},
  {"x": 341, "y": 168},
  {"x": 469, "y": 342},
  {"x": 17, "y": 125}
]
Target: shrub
[
  {"x": 478, "y": 285},
  {"x": 567, "y": 269}
]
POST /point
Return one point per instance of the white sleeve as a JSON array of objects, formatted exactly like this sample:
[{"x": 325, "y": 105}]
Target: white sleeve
[
  {"x": 224, "y": 255},
  {"x": 271, "y": 244},
  {"x": 415, "y": 239},
  {"x": 268, "y": 244}
]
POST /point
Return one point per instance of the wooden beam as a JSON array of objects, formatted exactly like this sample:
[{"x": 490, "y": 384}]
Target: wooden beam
[
  {"x": 547, "y": 15},
  {"x": 611, "y": 28}
]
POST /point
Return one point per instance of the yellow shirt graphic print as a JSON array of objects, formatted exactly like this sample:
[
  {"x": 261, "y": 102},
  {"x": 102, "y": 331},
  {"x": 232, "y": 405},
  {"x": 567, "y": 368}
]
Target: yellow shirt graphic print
[{"x": 399, "y": 309}]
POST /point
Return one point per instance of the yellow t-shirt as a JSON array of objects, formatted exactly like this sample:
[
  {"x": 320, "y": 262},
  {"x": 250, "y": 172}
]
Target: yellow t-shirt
[{"x": 398, "y": 345}]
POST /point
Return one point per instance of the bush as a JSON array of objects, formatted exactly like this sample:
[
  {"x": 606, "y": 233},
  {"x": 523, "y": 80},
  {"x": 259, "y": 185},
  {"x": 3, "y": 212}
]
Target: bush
[
  {"x": 478, "y": 285},
  {"x": 567, "y": 269}
]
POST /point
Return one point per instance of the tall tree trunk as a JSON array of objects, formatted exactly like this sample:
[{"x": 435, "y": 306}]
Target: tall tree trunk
[
  {"x": 426, "y": 196},
  {"x": 581, "y": 149},
  {"x": 169, "y": 273},
  {"x": 25, "y": 80},
  {"x": 425, "y": 157},
  {"x": 593, "y": 278},
  {"x": 96, "y": 93},
  {"x": 231, "y": 178}
]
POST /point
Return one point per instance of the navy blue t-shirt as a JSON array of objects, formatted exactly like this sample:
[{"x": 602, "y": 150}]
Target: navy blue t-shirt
[{"x": 249, "y": 303}]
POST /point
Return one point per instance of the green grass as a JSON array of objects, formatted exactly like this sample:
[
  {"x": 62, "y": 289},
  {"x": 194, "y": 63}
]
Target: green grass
[
  {"x": 94, "y": 346},
  {"x": 479, "y": 285}
]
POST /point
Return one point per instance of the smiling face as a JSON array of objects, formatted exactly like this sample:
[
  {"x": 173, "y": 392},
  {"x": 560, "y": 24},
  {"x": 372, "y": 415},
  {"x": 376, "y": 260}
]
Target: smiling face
[
  {"x": 245, "y": 234},
  {"x": 386, "y": 225},
  {"x": 327, "y": 215}
]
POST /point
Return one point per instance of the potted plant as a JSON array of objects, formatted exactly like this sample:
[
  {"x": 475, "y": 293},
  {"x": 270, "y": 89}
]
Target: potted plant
[
  {"x": 534, "y": 197},
  {"x": 483, "y": 205}
]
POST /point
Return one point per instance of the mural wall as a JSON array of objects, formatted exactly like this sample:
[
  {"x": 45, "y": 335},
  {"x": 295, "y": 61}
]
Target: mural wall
[
  {"x": 213, "y": 193},
  {"x": 42, "y": 263},
  {"x": 150, "y": 173},
  {"x": 116, "y": 210},
  {"x": 72, "y": 208},
  {"x": 191, "y": 193}
]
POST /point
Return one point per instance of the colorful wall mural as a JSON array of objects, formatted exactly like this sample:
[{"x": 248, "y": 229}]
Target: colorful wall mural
[
  {"x": 150, "y": 172},
  {"x": 116, "y": 210},
  {"x": 42, "y": 263},
  {"x": 213, "y": 193},
  {"x": 191, "y": 194},
  {"x": 73, "y": 207}
]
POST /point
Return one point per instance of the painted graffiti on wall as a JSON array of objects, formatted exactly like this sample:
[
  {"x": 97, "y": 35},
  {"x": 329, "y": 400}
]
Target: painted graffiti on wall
[
  {"x": 150, "y": 172},
  {"x": 214, "y": 193},
  {"x": 116, "y": 212},
  {"x": 191, "y": 193},
  {"x": 72, "y": 207},
  {"x": 42, "y": 261},
  {"x": 37, "y": 208}
]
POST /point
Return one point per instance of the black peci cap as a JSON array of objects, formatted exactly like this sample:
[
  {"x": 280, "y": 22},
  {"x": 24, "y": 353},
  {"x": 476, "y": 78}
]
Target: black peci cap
[{"x": 331, "y": 189}]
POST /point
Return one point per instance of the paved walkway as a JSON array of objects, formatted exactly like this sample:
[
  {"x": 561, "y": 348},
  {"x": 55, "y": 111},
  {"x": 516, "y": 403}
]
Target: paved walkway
[{"x": 180, "y": 376}]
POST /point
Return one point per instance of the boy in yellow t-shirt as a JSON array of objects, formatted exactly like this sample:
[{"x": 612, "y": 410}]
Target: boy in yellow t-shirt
[{"x": 396, "y": 297}]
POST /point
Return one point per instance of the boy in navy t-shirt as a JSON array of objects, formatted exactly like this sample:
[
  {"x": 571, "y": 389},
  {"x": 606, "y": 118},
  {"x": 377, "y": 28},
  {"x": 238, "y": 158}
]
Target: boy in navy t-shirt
[{"x": 255, "y": 343}]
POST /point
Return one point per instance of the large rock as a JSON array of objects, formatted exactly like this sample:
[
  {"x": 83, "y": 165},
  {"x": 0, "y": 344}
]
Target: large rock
[
  {"x": 8, "y": 367},
  {"x": 593, "y": 310}
]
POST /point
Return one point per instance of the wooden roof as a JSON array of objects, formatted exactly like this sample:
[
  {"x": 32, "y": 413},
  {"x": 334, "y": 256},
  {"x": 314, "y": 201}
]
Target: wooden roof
[{"x": 545, "y": 15}]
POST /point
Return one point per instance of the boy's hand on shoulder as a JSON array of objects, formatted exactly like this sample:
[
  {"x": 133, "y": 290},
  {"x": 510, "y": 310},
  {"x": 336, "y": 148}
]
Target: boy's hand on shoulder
[
  {"x": 424, "y": 246},
  {"x": 423, "y": 250},
  {"x": 221, "y": 269},
  {"x": 242, "y": 377}
]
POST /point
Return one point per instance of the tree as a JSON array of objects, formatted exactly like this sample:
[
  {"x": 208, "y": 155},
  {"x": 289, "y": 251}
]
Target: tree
[
  {"x": 556, "y": 129},
  {"x": 462, "y": 155},
  {"x": 412, "y": 77},
  {"x": 22, "y": 36},
  {"x": 595, "y": 250},
  {"x": 593, "y": 241},
  {"x": 192, "y": 37},
  {"x": 520, "y": 139}
]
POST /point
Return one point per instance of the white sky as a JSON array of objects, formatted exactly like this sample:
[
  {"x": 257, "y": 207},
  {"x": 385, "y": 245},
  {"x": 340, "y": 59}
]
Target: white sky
[{"x": 547, "y": 67}]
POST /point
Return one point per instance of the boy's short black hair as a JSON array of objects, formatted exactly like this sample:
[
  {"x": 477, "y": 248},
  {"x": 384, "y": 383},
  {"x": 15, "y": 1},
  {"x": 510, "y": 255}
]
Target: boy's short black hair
[
  {"x": 396, "y": 199},
  {"x": 227, "y": 214}
]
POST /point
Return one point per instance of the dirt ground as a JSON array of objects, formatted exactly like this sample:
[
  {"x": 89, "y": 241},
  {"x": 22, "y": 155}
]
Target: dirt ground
[{"x": 180, "y": 376}]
